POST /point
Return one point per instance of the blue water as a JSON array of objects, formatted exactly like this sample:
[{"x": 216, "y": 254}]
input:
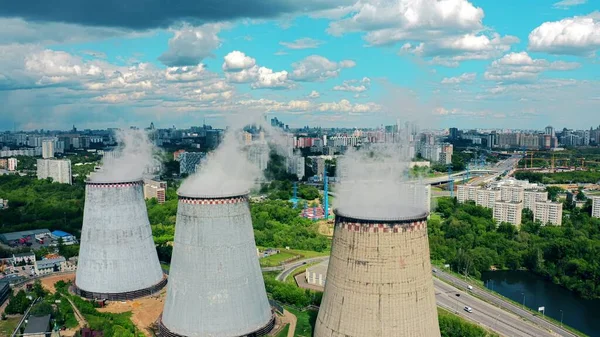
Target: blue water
[{"x": 579, "y": 313}]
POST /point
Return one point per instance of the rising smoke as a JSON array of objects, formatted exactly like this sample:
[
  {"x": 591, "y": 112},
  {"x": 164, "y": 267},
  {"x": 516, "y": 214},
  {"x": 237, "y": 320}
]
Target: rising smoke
[
  {"x": 130, "y": 160},
  {"x": 227, "y": 170},
  {"x": 374, "y": 184}
]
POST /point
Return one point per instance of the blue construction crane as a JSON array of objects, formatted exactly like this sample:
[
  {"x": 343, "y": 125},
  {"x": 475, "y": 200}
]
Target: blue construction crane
[
  {"x": 325, "y": 196},
  {"x": 305, "y": 213},
  {"x": 450, "y": 181},
  {"x": 295, "y": 197}
]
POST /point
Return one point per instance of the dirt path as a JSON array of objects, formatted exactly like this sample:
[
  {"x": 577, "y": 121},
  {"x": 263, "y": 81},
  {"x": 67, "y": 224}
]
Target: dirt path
[
  {"x": 291, "y": 318},
  {"x": 80, "y": 319}
]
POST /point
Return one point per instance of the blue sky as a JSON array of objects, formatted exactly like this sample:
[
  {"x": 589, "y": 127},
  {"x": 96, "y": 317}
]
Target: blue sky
[{"x": 441, "y": 63}]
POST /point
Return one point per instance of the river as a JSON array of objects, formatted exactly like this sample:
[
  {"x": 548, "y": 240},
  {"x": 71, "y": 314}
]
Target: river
[{"x": 576, "y": 312}]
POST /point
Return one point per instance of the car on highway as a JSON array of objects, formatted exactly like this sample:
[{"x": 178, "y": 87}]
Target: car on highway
[{"x": 468, "y": 309}]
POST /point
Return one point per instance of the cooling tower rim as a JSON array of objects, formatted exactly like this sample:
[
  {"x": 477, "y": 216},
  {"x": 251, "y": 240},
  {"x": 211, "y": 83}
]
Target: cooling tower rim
[
  {"x": 422, "y": 215},
  {"x": 113, "y": 181},
  {"x": 212, "y": 195}
]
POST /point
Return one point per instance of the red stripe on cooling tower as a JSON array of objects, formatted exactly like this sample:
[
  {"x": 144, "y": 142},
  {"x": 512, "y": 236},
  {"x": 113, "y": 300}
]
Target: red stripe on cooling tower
[
  {"x": 384, "y": 227},
  {"x": 196, "y": 201},
  {"x": 113, "y": 185}
]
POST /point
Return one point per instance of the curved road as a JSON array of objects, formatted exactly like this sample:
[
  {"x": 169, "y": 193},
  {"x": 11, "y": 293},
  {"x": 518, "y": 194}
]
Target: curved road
[{"x": 500, "y": 316}]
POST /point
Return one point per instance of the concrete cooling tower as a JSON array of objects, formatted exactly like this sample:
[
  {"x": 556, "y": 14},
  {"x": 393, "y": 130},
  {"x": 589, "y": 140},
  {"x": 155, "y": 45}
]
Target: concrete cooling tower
[
  {"x": 379, "y": 281},
  {"x": 117, "y": 257},
  {"x": 215, "y": 286}
]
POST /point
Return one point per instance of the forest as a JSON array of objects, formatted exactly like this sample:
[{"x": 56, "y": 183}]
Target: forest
[
  {"x": 560, "y": 177},
  {"x": 466, "y": 237}
]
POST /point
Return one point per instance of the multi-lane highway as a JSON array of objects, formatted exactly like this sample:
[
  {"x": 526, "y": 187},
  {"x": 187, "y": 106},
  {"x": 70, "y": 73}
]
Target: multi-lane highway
[{"x": 494, "y": 313}]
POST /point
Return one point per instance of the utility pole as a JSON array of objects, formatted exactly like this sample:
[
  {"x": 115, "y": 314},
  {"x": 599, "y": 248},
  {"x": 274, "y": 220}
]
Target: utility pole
[
  {"x": 561, "y": 318},
  {"x": 523, "y": 301}
]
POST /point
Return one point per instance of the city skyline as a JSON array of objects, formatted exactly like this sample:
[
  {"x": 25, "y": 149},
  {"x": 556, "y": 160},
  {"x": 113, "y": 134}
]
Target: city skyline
[{"x": 471, "y": 64}]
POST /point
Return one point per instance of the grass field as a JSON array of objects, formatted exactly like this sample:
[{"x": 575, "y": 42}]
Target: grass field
[
  {"x": 277, "y": 259},
  {"x": 305, "y": 322},
  {"x": 284, "y": 332},
  {"x": 7, "y": 327}
]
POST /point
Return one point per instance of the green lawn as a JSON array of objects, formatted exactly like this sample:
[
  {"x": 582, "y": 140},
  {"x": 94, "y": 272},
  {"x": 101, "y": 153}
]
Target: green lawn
[
  {"x": 7, "y": 327},
  {"x": 277, "y": 259},
  {"x": 305, "y": 322},
  {"x": 284, "y": 332},
  {"x": 166, "y": 267}
]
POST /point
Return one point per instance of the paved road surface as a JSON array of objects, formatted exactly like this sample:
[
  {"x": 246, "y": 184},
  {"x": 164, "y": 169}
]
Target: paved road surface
[
  {"x": 501, "y": 316},
  {"x": 507, "y": 306}
]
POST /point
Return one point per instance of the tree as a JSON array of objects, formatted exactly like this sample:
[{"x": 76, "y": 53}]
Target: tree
[
  {"x": 38, "y": 289},
  {"x": 41, "y": 309},
  {"x": 18, "y": 303}
]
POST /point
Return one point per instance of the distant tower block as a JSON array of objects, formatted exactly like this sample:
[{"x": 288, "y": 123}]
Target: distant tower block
[
  {"x": 379, "y": 281},
  {"x": 117, "y": 258},
  {"x": 215, "y": 286}
]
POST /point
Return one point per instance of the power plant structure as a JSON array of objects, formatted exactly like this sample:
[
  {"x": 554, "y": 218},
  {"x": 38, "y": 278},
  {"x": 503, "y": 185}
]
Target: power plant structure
[
  {"x": 215, "y": 286},
  {"x": 379, "y": 281},
  {"x": 117, "y": 256}
]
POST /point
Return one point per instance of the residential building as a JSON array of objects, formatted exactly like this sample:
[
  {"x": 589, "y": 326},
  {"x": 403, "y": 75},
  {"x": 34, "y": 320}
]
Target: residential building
[
  {"x": 530, "y": 197},
  {"x": 57, "y": 169},
  {"x": 317, "y": 275},
  {"x": 466, "y": 192},
  {"x": 12, "y": 164},
  {"x": 596, "y": 207},
  {"x": 512, "y": 193},
  {"x": 47, "y": 149},
  {"x": 295, "y": 165},
  {"x": 488, "y": 197},
  {"x": 258, "y": 154},
  {"x": 189, "y": 162},
  {"x": 155, "y": 189},
  {"x": 548, "y": 212},
  {"x": 3, "y": 163},
  {"x": 48, "y": 266},
  {"x": 508, "y": 211}
]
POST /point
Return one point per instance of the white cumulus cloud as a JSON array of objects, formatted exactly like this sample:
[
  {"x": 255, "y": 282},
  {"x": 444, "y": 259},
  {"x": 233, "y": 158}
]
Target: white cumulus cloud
[
  {"x": 464, "y": 78},
  {"x": 317, "y": 68},
  {"x": 518, "y": 67},
  {"x": 190, "y": 44},
  {"x": 236, "y": 61},
  {"x": 579, "y": 35},
  {"x": 304, "y": 43}
]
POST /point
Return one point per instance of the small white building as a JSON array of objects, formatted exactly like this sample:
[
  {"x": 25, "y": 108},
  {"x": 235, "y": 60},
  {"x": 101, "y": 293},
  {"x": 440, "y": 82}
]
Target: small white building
[
  {"x": 49, "y": 266},
  {"x": 317, "y": 274},
  {"x": 28, "y": 257}
]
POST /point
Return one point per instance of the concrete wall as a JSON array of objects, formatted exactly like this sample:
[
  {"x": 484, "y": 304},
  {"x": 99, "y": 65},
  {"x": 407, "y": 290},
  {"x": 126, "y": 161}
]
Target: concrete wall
[
  {"x": 215, "y": 284},
  {"x": 379, "y": 284},
  {"x": 117, "y": 251}
]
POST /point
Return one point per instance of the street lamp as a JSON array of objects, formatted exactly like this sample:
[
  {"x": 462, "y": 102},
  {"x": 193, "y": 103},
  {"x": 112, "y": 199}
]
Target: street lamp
[
  {"x": 523, "y": 300},
  {"x": 561, "y": 317}
]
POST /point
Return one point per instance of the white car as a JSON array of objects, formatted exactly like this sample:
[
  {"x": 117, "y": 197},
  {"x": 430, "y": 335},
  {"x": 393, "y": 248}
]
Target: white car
[{"x": 468, "y": 309}]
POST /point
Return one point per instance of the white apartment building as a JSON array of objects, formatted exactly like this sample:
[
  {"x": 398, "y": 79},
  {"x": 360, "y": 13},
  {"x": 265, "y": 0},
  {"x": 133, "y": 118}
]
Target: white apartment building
[
  {"x": 532, "y": 197},
  {"x": 488, "y": 197},
  {"x": 57, "y": 169},
  {"x": 596, "y": 207},
  {"x": 155, "y": 189},
  {"x": 548, "y": 212},
  {"x": 512, "y": 193},
  {"x": 48, "y": 149},
  {"x": 466, "y": 192},
  {"x": 12, "y": 164},
  {"x": 508, "y": 211}
]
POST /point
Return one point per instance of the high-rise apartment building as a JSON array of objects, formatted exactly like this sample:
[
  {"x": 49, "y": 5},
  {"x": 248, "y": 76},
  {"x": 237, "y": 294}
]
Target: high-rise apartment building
[
  {"x": 47, "y": 149},
  {"x": 531, "y": 197},
  {"x": 155, "y": 189},
  {"x": 57, "y": 169},
  {"x": 466, "y": 192},
  {"x": 596, "y": 207},
  {"x": 508, "y": 211},
  {"x": 548, "y": 212},
  {"x": 512, "y": 193},
  {"x": 258, "y": 154},
  {"x": 488, "y": 197},
  {"x": 189, "y": 161},
  {"x": 12, "y": 163}
]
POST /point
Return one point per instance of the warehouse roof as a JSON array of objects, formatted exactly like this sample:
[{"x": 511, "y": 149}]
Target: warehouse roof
[
  {"x": 19, "y": 235},
  {"x": 61, "y": 234},
  {"x": 37, "y": 325}
]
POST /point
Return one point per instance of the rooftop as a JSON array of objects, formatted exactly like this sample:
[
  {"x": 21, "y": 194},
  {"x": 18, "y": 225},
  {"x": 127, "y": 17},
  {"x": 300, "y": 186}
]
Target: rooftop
[
  {"x": 49, "y": 262},
  {"x": 22, "y": 234},
  {"x": 36, "y": 325},
  {"x": 60, "y": 233}
]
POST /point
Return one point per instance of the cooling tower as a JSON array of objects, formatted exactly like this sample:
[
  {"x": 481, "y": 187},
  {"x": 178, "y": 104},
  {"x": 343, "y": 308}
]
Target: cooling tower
[
  {"x": 215, "y": 286},
  {"x": 117, "y": 257},
  {"x": 379, "y": 281}
]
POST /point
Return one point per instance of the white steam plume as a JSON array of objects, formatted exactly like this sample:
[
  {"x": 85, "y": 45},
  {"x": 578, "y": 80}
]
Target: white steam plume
[
  {"x": 129, "y": 161},
  {"x": 374, "y": 184}
]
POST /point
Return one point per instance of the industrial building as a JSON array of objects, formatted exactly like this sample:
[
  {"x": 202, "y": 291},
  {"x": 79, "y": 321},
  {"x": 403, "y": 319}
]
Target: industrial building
[
  {"x": 379, "y": 281},
  {"x": 548, "y": 212},
  {"x": 117, "y": 256},
  {"x": 596, "y": 207},
  {"x": 67, "y": 239},
  {"x": 49, "y": 266},
  {"x": 22, "y": 237},
  {"x": 508, "y": 211},
  {"x": 37, "y": 326},
  {"x": 215, "y": 286},
  {"x": 57, "y": 169}
]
